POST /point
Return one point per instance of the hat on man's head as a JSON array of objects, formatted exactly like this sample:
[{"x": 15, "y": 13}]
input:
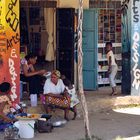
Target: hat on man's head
[
  {"x": 4, "y": 87},
  {"x": 57, "y": 73}
]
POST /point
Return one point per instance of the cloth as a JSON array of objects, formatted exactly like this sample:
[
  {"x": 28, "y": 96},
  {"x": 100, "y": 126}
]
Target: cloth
[
  {"x": 112, "y": 75},
  {"x": 24, "y": 62},
  {"x": 110, "y": 54},
  {"x": 4, "y": 125},
  {"x": 73, "y": 96},
  {"x": 6, "y": 110},
  {"x": 5, "y": 99},
  {"x": 59, "y": 88},
  {"x": 58, "y": 102},
  {"x": 50, "y": 87},
  {"x": 50, "y": 52}
]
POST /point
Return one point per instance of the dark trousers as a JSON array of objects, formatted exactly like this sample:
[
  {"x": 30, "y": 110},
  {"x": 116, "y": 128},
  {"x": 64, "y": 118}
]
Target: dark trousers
[{"x": 36, "y": 83}]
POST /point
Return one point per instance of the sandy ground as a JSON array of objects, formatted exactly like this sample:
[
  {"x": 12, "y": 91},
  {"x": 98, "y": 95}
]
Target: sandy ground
[
  {"x": 104, "y": 122},
  {"x": 105, "y": 125}
]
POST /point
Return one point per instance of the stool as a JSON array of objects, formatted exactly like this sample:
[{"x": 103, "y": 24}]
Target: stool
[{"x": 24, "y": 89}]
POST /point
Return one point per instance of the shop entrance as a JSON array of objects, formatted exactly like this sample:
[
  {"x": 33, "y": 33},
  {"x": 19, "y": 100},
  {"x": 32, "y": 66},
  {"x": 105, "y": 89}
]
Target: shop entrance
[
  {"x": 37, "y": 33},
  {"x": 90, "y": 49}
]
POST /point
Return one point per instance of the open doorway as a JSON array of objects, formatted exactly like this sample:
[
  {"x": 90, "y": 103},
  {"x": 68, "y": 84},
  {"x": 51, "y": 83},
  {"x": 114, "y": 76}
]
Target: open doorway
[
  {"x": 37, "y": 32},
  {"x": 109, "y": 29}
]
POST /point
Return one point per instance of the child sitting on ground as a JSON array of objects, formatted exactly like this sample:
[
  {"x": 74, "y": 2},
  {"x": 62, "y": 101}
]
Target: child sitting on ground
[{"x": 72, "y": 92}]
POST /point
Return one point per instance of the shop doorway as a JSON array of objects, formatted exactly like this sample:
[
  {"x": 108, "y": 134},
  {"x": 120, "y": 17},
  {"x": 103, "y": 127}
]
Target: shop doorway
[
  {"x": 37, "y": 33},
  {"x": 90, "y": 49}
]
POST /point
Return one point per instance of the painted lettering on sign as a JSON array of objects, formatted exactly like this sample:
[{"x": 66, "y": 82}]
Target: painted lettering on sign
[
  {"x": 11, "y": 16},
  {"x": 135, "y": 45},
  {"x": 13, "y": 74},
  {"x": 135, "y": 11},
  {"x": 14, "y": 40},
  {"x": 135, "y": 58}
]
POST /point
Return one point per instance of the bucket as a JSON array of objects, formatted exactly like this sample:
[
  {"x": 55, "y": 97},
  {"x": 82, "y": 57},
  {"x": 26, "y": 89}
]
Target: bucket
[
  {"x": 33, "y": 98},
  {"x": 26, "y": 128}
]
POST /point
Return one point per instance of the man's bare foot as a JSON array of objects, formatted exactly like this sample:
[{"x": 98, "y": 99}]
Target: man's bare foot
[
  {"x": 75, "y": 114},
  {"x": 114, "y": 93}
]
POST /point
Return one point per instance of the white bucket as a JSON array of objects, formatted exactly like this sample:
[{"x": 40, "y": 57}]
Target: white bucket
[
  {"x": 26, "y": 128},
  {"x": 33, "y": 98}
]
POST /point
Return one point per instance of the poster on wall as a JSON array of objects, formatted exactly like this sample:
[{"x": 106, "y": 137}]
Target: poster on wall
[
  {"x": 10, "y": 46},
  {"x": 135, "y": 47}
]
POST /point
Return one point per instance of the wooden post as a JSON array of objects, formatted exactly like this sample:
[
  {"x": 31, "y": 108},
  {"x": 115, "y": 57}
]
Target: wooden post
[{"x": 80, "y": 74}]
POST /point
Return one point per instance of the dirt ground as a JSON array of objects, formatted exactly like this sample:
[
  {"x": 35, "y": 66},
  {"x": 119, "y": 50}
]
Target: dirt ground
[{"x": 104, "y": 122}]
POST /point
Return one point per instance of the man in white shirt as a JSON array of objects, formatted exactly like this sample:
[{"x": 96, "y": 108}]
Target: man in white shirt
[{"x": 112, "y": 67}]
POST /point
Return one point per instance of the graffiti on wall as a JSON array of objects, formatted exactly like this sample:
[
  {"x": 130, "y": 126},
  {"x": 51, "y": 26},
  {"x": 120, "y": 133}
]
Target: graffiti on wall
[
  {"x": 135, "y": 45},
  {"x": 9, "y": 45},
  {"x": 3, "y": 43}
]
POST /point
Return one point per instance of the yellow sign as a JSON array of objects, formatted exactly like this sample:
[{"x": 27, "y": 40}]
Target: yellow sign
[{"x": 10, "y": 45}]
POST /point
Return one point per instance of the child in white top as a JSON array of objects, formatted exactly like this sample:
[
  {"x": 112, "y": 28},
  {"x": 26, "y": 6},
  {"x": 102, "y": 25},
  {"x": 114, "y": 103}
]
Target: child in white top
[
  {"x": 112, "y": 67},
  {"x": 72, "y": 92}
]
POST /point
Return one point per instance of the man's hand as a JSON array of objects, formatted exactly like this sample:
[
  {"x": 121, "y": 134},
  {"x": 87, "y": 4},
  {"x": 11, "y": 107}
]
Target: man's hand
[
  {"x": 109, "y": 70},
  {"x": 55, "y": 95},
  {"x": 41, "y": 72}
]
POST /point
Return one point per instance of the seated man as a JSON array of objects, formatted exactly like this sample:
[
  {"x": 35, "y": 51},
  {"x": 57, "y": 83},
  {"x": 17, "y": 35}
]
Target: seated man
[{"x": 55, "y": 94}]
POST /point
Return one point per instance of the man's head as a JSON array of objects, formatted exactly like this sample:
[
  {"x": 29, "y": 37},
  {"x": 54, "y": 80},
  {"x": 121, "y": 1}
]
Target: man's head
[
  {"x": 5, "y": 87},
  {"x": 55, "y": 75},
  {"x": 31, "y": 58},
  {"x": 108, "y": 46}
]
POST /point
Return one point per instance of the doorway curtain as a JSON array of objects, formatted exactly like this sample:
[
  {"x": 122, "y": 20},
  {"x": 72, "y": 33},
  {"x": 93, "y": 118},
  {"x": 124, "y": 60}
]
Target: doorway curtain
[{"x": 49, "y": 24}]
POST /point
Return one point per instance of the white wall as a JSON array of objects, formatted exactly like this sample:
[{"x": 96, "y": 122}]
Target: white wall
[{"x": 72, "y": 4}]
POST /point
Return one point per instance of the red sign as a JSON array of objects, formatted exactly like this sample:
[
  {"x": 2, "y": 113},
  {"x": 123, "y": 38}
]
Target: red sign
[{"x": 10, "y": 46}]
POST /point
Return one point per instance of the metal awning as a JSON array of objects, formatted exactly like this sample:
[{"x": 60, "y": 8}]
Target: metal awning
[{"x": 40, "y": 3}]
